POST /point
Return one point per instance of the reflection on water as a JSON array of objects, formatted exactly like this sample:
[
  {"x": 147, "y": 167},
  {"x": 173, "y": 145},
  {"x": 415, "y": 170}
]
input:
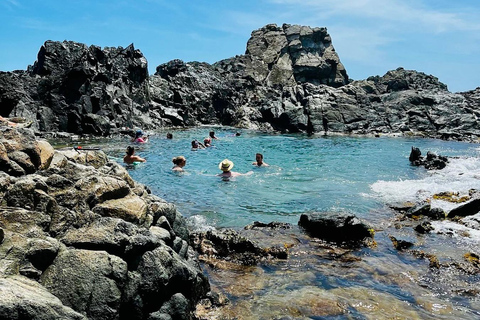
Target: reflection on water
[{"x": 306, "y": 174}]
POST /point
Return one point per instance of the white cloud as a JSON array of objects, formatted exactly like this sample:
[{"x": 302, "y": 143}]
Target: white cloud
[{"x": 411, "y": 13}]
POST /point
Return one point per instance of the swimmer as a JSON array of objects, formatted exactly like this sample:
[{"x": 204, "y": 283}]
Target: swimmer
[
  {"x": 259, "y": 161},
  {"x": 139, "y": 137},
  {"x": 169, "y": 136},
  {"x": 212, "y": 135},
  {"x": 178, "y": 163},
  {"x": 131, "y": 158},
  {"x": 207, "y": 142},
  {"x": 226, "y": 167},
  {"x": 197, "y": 145}
]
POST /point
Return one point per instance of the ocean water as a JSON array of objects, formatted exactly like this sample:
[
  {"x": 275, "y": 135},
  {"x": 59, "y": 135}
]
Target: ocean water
[{"x": 357, "y": 175}]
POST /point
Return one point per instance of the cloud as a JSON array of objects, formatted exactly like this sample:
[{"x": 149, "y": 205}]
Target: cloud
[{"x": 410, "y": 13}]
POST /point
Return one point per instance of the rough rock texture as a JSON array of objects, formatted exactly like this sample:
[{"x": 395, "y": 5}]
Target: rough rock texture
[
  {"x": 70, "y": 250},
  {"x": 336, "y": 227},
  {"x": 289, "y": 79}
]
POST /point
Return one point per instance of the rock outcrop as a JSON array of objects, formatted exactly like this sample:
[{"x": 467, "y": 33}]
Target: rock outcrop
[
  {"x": 290, "y": 79},
  {"x": 79, "y": 239}
]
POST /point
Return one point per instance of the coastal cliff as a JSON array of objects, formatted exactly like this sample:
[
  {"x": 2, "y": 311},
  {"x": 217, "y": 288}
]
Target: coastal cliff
[{"x": 290, "y": 79}]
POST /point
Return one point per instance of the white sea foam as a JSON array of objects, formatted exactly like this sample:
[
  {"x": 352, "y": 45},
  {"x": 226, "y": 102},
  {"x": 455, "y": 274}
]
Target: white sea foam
[
  {"x": 460, "y": 175},
  {"x": 199, "y": 223},
  {"x": 456, "y": 230}
]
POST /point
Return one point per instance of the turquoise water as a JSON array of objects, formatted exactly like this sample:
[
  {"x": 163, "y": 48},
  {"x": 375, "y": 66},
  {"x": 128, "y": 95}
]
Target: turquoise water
[
  {"x": 358, "y": 175},
  {"x": 306, "y": 174}
]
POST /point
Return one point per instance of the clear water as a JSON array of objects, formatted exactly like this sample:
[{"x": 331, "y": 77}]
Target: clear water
[
  {"x": 358, "y": 175},
  {"x": 351, "y": 174}
]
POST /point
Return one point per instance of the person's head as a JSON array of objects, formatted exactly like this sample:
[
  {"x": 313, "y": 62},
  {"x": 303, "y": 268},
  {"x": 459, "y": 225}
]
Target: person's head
[
  {"x": 138, "y": 134},
  {"x": 212, "y": 134},
  {"x": 237, "y": 134},
  {"x": 226, "y": 165},
  {"x": 169, "y": 136},
  {"x": 179, "y": 161},
  {"x": 207, "y": 141},
  {"x": 259, "y": 158},
  {"x": 194, "y": 144},
  {"x": 130, "y": 150}
]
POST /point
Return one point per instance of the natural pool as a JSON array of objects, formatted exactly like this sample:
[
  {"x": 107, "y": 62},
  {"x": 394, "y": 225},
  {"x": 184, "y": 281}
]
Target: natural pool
[{"x": 358, "y": 175}]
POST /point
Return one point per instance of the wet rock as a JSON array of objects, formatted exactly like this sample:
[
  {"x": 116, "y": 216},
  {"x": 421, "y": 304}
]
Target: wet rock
[
  {"x": 424, "y": 227},
  {"x": 434, "y": 263},
  {"x": 336, "y": 227},
  {"x": 469, "y": 208},
  {"x": 400, "y": 244},
  {"x": 227, "y": 244},
  {"x": 430, "y": 162}
]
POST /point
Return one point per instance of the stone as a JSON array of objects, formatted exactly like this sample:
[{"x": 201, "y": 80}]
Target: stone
[
  {"x": 21, "y": 298},
  {"x": 132, "y": 209},
  {"x": 88, "y": 281},
  {"x": 467, "y": 209},
  {"x": 336, "y": 227}
]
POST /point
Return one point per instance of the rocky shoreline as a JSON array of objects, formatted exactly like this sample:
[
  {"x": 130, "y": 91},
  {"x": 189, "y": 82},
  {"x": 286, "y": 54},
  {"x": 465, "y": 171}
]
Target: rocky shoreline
[
  {"x": 81, "y": 240},
  {"x": 290, "y": 79}
]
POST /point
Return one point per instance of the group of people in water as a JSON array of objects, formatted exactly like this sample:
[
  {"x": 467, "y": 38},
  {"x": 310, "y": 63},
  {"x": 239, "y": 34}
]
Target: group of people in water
[{"x": 179, "y": 162}]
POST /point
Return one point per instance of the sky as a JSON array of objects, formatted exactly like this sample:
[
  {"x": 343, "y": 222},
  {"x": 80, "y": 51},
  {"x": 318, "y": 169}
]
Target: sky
[{"x": 371, "y": 37}]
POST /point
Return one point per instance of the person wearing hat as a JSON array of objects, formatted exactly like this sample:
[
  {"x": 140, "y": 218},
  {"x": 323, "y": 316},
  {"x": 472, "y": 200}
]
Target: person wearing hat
[
  {"x": 139, "y": 137},
  {"x": 226, "y": 167}
]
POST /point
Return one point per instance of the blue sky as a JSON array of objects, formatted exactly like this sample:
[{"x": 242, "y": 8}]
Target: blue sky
[{"x": 437, "y": 37}]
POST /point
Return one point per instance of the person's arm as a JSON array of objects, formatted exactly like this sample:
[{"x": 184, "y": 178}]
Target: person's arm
[{"x": 138, "y": 159}]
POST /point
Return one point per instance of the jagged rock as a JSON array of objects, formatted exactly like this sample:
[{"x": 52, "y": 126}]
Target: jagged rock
[
  {"x": 431, "y": 162},
  {"x": 289, "y": 79},
  {"x": 336, "y": 227},
  {"x": 400, "y": 244},
  {"x": 424, "y": 227}
]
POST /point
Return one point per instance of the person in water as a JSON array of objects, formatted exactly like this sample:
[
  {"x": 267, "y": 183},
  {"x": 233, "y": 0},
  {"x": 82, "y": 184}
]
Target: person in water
[
  {"x": 169, "y": 136},
  {"x": 131, "y": 158},
  {"x": 212, "y": 135},
  {"x": 207, "y": 142},
  {"x": 178, "y": 163},
  {"x": 140, "y": 137},
  {"x": 197, "y": 145},
  {"x": 259, "y": 161},
  {"x": 226, "y": 167}
]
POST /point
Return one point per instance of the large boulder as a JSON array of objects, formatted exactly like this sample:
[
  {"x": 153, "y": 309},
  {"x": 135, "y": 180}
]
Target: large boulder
[
  {"x": 341, "y": 228},
  {"x": 21, "y": 298},
  {"x": 90, "y": 282}
]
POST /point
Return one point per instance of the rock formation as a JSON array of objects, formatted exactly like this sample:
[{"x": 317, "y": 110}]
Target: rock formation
[
  {"x": 290, "y": 79},
  {"x": 79, "y": 239}
]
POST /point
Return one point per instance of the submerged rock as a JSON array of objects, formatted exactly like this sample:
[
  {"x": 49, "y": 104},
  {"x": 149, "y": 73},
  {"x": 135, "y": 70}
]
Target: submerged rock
[
  {"x": 431, "y": 162},
  {"x": 335, "y": 227}
]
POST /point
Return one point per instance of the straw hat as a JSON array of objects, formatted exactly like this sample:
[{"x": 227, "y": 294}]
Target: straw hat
[{"x": 225, "y": 165}]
